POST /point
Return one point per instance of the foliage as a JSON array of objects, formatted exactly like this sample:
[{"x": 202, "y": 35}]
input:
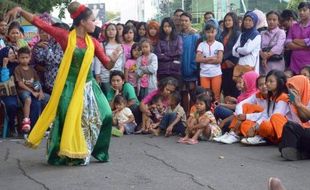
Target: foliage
[
  {"x": 36, "y": 6},
  {"x": 293, "y": 4}
]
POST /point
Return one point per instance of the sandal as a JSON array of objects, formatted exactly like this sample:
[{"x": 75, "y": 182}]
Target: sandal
[{"x": 192, "y": 141}]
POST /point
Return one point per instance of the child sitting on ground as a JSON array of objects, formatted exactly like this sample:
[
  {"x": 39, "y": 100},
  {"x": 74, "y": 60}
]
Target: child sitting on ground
[
  {"x": 174, "y": 121},
  {"x": 123, "y": 118},
  {"x": 28, "y": 85},
  {"x": 201, "y": 124},
  {"x": 157, "y": 111}
]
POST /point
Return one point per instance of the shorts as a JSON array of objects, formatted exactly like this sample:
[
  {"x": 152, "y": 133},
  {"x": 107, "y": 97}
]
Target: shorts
[
  {"x": 23, "y": 95},
  {"x": 130, "y": 128}
]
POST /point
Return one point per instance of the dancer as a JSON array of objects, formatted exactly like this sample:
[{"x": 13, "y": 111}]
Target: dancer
[{"x": 81, "y": 124}]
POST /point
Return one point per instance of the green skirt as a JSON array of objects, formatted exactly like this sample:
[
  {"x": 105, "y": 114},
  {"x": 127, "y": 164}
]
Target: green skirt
[{"x": 96, "y": 124}]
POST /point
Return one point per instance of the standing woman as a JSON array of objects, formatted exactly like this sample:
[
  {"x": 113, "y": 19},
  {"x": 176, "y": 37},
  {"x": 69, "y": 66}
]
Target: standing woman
[
  {"x": 141, "y": 31},
  {"x": 247, "y": 46},
  {"x": 81, "y": 124},
  {"x": 110, "y": 44},
  {"x": 229, "y": 37},
  {"x": 153, "y": 32},
  {"x": 169, "y": 50},
  {"x": 272, "y": 45}
]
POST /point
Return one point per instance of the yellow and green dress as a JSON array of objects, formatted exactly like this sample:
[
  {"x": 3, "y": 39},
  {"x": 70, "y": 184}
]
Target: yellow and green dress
[{"x": 78, "y": 113}]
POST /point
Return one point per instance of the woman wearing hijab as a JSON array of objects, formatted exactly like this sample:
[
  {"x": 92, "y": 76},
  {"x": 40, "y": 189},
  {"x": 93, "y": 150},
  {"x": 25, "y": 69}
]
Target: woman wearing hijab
[
  {"x": 247, "y": 86},
  {"x": 9, "y": 96},
  {"x": 295, "y": 144},
  {"x": 247, "y": 46}
]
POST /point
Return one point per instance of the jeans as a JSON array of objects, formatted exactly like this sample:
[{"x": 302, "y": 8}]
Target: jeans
[
  {"x": 222, "y": 112},
  {"x": 11, "y": 106},
  {"x": 168, "y": 118}
]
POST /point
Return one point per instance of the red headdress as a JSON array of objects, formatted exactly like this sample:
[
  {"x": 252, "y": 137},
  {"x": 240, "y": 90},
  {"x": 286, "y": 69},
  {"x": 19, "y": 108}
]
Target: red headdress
[{"x": 78, "y": 11}]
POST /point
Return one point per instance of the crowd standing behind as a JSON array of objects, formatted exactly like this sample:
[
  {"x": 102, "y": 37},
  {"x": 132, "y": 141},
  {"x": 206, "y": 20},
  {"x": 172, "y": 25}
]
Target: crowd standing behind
[{"x": 234, "y": 81}]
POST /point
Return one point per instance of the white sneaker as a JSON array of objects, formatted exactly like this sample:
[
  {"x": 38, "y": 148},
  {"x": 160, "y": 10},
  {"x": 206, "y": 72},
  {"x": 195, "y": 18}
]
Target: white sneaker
[
  {"x": 256, "y": 140},
  {"x": 218, "y": 139},
  {"x": 231, "y": 138}
]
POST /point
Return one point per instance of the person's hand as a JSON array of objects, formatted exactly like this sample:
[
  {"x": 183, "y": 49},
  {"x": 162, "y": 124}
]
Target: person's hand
[
  {"x": 169, "y": 131},
  {"x": 41, "y": 96},
  {"x": 229, "y": 64},
  {"x": 297, "y": 98},
  {"x": 98, "y": 79},
  {"x": 264, "y": 63},
  {"x": 12, "y": 14},
  {"x": 42, "y": 44},
  {"x": 36, "y": 94},
  {"x": 5, "y": 61},
  {"x": 241, "y": 117},
  {"x": 117, "y": 92},
  {"x": 115, "y": 54}
]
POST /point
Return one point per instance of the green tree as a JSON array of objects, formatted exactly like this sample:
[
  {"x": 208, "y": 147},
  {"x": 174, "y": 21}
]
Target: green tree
[
  {"x": 293, "y": 4},
  {"x": 36, "y": 6}
]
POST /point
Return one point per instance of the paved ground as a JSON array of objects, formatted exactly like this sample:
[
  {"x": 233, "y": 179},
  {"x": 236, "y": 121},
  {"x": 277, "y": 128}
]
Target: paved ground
[{"x": 146, "y": 162}]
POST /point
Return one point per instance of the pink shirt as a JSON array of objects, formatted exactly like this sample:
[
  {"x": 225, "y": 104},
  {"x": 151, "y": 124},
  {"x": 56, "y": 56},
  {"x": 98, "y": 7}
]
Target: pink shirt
[
  {"x": 149, "y": 97},
  {"x": 127, "y": 50},
  {"x": 299, "y": 58},
  {"x": 145, "y": 77},
  {"x": 131, "y": 66}
]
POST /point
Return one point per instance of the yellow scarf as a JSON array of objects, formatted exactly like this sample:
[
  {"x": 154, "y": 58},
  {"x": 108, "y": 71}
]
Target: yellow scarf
[{"x": 72, "y": 142}]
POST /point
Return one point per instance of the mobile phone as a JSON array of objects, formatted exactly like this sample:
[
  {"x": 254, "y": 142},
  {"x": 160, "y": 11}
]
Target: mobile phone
[{"x": 291, "y": 96}]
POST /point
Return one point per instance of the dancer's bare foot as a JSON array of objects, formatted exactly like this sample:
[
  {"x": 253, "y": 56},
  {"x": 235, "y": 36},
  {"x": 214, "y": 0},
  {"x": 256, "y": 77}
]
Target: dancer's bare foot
[{"x": 275, "y": 184}]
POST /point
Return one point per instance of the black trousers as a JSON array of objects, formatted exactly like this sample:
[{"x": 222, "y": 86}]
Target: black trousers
[{"x": 295, "y": 136}]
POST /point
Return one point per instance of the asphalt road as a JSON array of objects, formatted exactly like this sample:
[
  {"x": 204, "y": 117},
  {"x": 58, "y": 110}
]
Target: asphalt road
[{"x": 146, "y": 162}]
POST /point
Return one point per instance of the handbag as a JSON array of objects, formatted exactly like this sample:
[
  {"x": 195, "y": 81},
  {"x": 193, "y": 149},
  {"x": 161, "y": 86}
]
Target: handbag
[
  {"x": 8, "y": 88},
  {"x": 239, "y": 70},
  {"x": 274, "y": 57}
]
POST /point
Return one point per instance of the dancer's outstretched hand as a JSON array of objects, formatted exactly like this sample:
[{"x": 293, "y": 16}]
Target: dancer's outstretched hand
[
  {"x": 115, "y": 54},
  {"x": 12, "y": 14}
]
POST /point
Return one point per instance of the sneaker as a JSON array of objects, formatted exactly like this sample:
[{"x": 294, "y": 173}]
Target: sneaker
[
  {"x": 116, "y": 132},
  {"x": 290, "y": 153},
  {"x": 26, "y": 125},
  {"x": 256, "y": 140},
  {"x": 218, "y": 139},
  {"x": 230, "y": 138}
]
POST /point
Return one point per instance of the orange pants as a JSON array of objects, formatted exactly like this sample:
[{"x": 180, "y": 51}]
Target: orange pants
[
  {"x": 247, "y": 124},
  {"x": 213, "y": 83},
  {"x": 272, "y": 129}
]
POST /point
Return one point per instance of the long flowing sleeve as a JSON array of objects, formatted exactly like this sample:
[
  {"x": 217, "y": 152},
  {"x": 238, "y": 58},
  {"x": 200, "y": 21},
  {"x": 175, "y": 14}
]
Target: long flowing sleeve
[
  {"x": 99, "y": 53},
  {"x": 60, "y": 35}
]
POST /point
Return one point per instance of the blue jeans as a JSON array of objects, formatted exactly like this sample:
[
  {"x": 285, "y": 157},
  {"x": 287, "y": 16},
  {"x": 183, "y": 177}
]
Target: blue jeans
[
  {"x": 222, "y": 112},
  {"x": 11, "y": 106},
  {"x": 168, "y": 118}
]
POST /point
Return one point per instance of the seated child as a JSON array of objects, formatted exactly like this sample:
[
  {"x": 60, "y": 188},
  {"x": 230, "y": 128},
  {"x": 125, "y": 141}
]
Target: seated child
[
  {"x": 201, "y": 124},
  {"x": 157, "y": 111},
  {"x": 288, "y": 73},
  {"x": 174, "y": 121},
  {"x": 123, "y": 118},
  {"x": 28, "y": 85},
  {"x": 306, "y": 71}
]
